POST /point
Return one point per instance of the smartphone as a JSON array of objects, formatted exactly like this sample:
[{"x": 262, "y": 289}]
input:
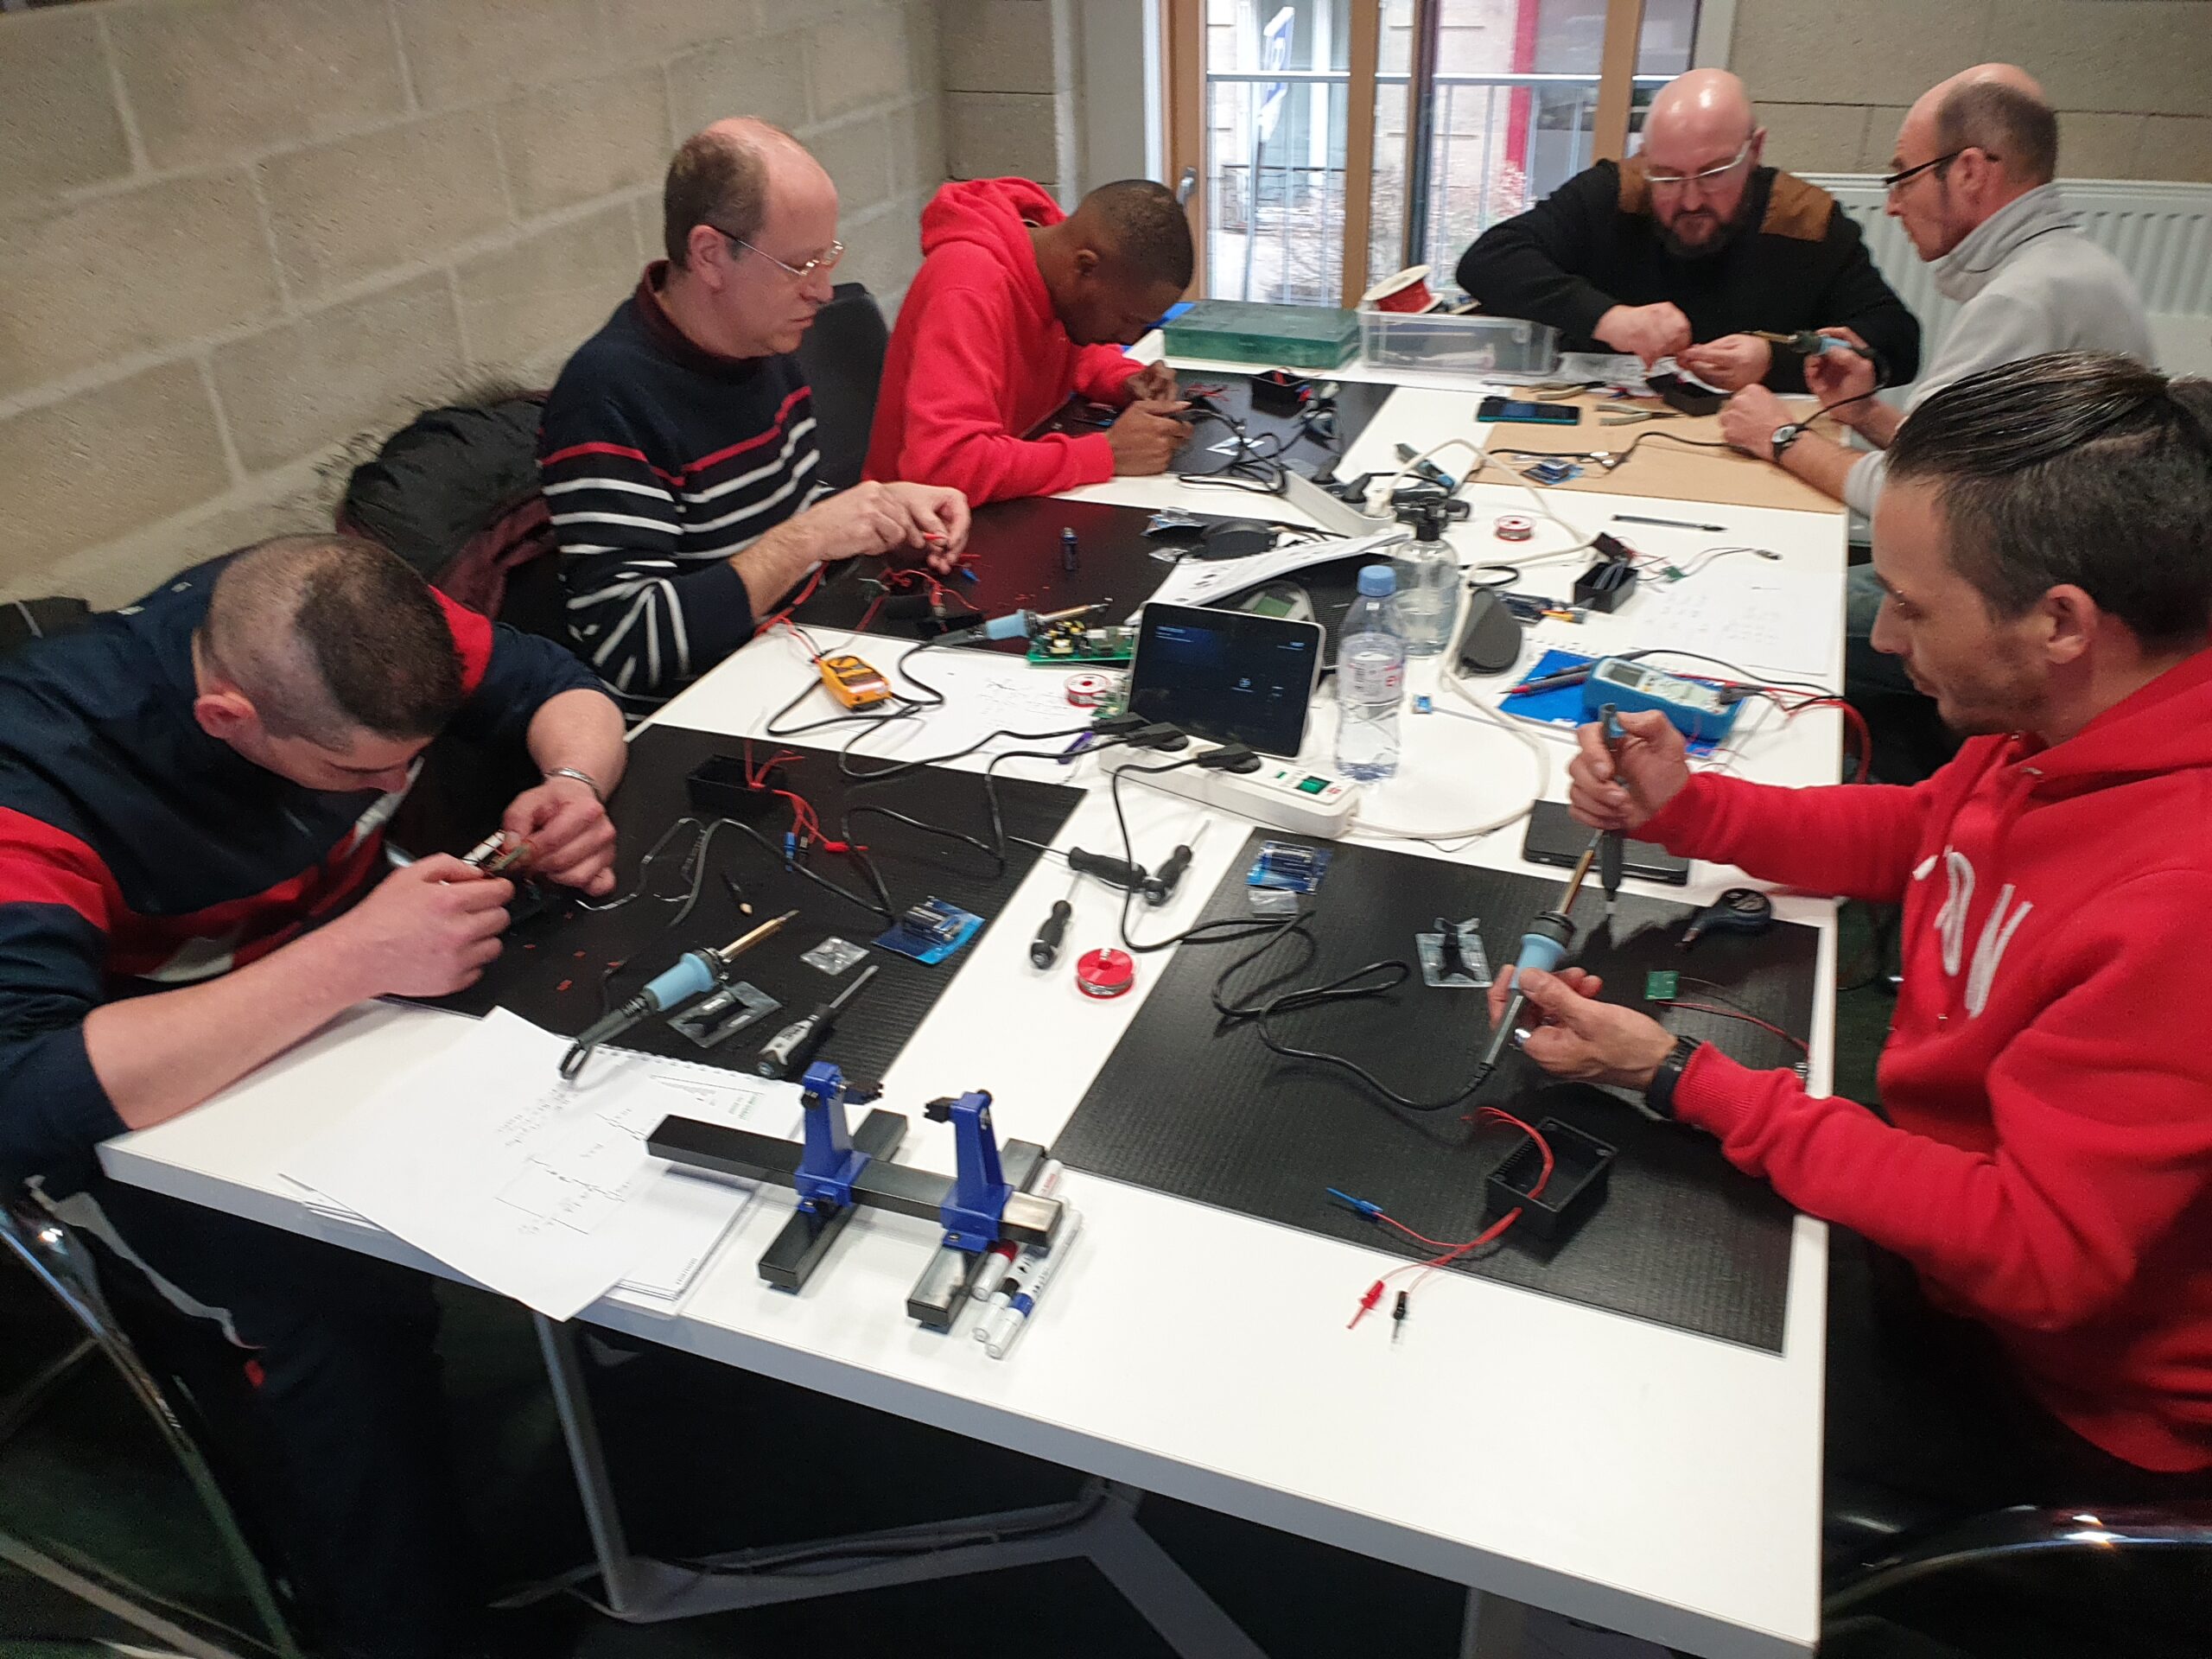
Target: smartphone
[
  {"x": 1513, "y": 409},
  {"x": 1554, "y": 837}
]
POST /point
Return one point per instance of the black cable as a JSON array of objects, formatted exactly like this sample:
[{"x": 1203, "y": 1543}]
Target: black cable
[
  {"x": 798, "y": 868},
  {"x": 1203, "y": 932},
  {"x": 900, "y": 768}
]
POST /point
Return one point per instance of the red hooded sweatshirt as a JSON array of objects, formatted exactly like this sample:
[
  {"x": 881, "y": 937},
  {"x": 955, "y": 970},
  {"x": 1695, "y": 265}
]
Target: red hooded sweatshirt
[
  {"x": 978, "y": 358},
  {"x": 2050, "y": 1172}
]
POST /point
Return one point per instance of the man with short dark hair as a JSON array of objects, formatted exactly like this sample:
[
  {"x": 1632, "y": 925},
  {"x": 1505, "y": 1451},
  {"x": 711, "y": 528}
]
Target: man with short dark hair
[
  {"x": 1017, "y": 306},
  {"x": 1683, "y": 248},
  {"x": 678, "y": 453},
  {"x": 192, "y": 797},
  {"x": 2044, "y": 548}
]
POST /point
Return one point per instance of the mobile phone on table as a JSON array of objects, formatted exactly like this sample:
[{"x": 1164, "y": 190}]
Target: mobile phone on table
[
  {"x": 1516, "y": 408},
  {"x": 1554, "y": 837}
]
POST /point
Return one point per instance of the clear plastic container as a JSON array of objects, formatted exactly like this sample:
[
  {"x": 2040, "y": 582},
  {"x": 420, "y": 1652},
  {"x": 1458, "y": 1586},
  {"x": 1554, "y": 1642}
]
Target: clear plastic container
[
  {"x": 1371, "y": 679},
  {"x": 1497, "y": 348}
]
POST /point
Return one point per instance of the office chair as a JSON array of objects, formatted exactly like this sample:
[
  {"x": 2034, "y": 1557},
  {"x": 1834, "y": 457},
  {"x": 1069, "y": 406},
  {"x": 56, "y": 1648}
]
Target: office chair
[
  {"x": 843, "y": 356},
  {"x": 60, "y": 1262}
]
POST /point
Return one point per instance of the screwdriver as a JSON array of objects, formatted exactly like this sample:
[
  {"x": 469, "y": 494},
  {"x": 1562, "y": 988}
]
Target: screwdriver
[
  {"x": 1612, "y": 844},
  {"x": 1544, "y": 945},
  {"x": 793, "y": 1048},
  {"x": 1045, "y": 949},
  {"x": 695, "y": 971},
  {"x": 1160, "y": 887},
  {"x": 1113, "y": 872}
]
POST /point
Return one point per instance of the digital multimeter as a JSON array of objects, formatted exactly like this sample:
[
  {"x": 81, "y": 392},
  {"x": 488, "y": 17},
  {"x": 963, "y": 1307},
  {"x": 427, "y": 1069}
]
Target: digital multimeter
[
  {"x": 1694, "y": 708},
  {"x": 853, "y": 683}
]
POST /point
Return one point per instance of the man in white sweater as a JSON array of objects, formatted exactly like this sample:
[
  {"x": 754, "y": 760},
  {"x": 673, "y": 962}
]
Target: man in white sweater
[{"x": 1971, "y": 181}]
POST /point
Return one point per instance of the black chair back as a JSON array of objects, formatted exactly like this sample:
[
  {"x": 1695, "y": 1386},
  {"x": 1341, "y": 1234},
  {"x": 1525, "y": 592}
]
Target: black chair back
[{"x": 843, "y": 355}]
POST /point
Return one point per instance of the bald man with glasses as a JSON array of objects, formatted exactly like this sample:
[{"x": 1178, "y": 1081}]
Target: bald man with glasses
[
  {"x": 1686, "y": 247},
  {"x": 678, "y": 453}
]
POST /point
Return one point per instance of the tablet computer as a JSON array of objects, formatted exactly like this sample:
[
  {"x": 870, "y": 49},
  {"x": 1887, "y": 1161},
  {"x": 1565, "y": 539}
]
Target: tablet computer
[{"x": 1230, "y": 676}]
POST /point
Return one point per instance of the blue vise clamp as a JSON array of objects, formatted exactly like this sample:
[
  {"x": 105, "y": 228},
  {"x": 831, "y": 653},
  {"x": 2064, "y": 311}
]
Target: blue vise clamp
[
  {"x": 829, "y": 1163},
  {"x": 973, "y": 1208}
]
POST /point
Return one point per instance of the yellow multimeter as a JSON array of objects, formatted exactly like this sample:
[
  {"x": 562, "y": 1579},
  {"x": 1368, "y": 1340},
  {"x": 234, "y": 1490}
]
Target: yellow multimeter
[{"x": 853, "y": 683}]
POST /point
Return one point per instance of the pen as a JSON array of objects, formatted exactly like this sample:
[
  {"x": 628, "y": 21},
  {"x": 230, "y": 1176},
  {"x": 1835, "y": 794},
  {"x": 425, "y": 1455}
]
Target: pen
[
  {"x": 1015, "y": 1315},
  {"x": 1671, "y": 523},
  {"x": 1549, "y": 682},
  {"x": 1000, "y": 1256}
]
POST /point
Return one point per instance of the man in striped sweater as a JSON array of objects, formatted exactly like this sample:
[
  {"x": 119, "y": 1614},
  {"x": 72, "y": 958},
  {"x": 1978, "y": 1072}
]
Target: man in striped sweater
[{"x": 678, "y": 450}]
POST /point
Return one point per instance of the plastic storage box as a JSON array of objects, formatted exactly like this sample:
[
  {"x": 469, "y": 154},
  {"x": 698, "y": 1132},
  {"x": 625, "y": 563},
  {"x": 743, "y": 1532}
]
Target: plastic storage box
[
  {"x": 1276, "y": 336},
  {"x": 1493, "y": 347}
]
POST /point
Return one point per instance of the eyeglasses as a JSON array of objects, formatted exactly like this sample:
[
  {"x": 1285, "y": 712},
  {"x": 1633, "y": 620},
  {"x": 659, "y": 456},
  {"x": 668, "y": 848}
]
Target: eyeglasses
[
  {"x": 1896, "y": 179},
  {"x": 826, "y": 260},
  {"x": 1677, "y": 180}
]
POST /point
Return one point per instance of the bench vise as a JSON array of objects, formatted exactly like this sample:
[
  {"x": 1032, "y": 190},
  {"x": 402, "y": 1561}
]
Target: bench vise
[{"x": 836, "y": 1169}]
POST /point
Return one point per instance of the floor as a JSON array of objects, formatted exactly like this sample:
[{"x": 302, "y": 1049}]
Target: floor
[{"x": 730, "y": 1460}]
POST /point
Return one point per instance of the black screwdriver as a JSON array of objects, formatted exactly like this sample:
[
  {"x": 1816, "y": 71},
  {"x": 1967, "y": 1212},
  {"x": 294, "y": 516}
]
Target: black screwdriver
[
  {"x": 1162, "y": 885},
  {"x": 1115, "y": 872},
  {"x": 1045, "y": 949},
  {"x": 790, "y": 1049}
]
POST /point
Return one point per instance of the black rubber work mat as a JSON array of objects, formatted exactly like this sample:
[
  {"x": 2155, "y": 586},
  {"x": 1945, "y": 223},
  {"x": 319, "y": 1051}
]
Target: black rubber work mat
[
  {"x": 1190, "y": 1106},
  {"x": 551, "y": 970}
]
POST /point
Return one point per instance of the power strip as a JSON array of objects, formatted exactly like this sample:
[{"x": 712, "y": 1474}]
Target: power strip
[{"x": 1281, "y": 794}]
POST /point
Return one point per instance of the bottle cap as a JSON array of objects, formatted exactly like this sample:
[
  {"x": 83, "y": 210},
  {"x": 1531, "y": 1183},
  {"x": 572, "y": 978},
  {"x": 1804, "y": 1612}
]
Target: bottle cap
[{"x": 1377, "y": 581}]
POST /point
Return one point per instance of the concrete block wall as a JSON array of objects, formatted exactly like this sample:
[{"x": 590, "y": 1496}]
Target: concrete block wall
[
  {"x": 236, "y": 234},
  {"x": 2132, "y": 79},
  {"x": 1012, "y": 99}
]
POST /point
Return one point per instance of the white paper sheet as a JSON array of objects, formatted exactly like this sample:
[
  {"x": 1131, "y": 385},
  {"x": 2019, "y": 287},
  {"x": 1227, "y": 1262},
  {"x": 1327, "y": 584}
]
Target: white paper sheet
[
  {"x": 1743, "y": 611},
  {"x": 538, "y": 1189}
]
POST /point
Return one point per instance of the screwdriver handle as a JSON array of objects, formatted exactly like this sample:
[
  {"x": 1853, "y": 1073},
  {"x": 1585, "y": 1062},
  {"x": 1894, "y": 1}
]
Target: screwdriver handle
[
  {"x": 1115, "y": 872},
  {"x": 1045, "y": 949},
  {"x": 1162, "y": 888}
]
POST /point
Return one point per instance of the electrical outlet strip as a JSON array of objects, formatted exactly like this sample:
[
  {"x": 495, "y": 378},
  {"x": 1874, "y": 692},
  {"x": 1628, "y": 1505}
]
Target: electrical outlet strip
[{"x": 1281, "y": 794}]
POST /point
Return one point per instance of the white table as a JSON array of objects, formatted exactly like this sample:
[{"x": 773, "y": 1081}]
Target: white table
[{"x": 1658, "y": 1483}]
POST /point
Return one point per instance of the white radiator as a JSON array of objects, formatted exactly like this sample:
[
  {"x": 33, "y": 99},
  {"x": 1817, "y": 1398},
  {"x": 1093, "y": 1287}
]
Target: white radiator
[{"x": 2161, "y": 231}]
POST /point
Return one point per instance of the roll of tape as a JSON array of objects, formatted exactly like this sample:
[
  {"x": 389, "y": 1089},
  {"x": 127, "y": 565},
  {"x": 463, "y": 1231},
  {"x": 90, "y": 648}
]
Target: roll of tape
[
  {"x": 1512, "y": 527},
  {"x": 1088, "y": 690}
]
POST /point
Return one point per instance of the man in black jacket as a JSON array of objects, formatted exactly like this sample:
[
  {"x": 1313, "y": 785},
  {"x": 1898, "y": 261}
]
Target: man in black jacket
[{"x": 1682, "y": 249}]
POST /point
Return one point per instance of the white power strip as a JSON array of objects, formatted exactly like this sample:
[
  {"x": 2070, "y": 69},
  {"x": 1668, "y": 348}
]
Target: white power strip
[{"x": 1281, "y": 794}]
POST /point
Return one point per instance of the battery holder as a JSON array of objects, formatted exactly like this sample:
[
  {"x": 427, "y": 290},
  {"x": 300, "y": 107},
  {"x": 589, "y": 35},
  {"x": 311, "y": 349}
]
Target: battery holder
[
  {"x": 1581, "y": 1165},
  {"x": 1277, "y": 392},
  {"x": 1610, "y": 583}
]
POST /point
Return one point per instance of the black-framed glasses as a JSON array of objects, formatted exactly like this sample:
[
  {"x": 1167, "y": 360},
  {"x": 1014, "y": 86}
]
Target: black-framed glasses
[
  {"x": 1893, "y": 180},
  {"x": 826, "y": 260}
]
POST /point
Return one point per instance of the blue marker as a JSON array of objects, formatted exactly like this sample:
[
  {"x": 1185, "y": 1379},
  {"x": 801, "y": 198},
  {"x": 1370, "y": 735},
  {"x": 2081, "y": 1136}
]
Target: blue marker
[{"x": 1014, "y": 1318}]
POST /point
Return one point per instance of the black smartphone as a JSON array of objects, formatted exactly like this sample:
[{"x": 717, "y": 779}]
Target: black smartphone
[
  {"x": 1554, "y": 837},
  {"x": 1514, "y": 408}
]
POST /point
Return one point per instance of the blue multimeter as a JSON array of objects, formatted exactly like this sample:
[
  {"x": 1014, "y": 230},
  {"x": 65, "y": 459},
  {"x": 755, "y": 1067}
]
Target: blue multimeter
[{"x": 1694, "y": 708}]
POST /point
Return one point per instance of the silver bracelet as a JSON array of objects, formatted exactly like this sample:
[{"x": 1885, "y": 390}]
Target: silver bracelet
[{"x": 584, "y": 777}]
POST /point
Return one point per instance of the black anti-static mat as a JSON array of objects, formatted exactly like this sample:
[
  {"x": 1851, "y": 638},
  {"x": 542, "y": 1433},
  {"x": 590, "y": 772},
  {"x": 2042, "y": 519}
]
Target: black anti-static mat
[
  {"x": 1357, "y": 403},
  {"x": 1187, "y": 1106},
  {"x": 549, "y": 972}
]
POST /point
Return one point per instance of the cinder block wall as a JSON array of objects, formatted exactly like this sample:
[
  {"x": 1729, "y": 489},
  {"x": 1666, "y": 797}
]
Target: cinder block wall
[
  {"x": 235, "y": 234},
  {"x": 2132, "y": 79}
]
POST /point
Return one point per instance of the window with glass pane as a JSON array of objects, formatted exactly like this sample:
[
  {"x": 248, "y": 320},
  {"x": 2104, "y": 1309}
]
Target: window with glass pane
[{"x": 1504, "y": 116}]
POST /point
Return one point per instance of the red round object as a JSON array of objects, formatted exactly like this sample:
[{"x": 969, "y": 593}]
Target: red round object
[
  {"x": 1514, "y": 528},
  {"x": 1105, "y": 973}
]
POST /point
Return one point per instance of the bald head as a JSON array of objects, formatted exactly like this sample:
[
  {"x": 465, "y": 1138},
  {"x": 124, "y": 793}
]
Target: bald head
[
  {"x": 328, "y": 637},
  {"x": 1999, "y": 109},
  {"x": 1701, "y": 149},
  {"x": 1704, "y": 107},
  {"x": 728, "y": 176}
]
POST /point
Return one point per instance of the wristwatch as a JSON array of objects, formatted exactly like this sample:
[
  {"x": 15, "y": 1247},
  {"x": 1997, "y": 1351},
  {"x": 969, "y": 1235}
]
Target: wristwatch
[
  {"x": 1659, "y": 1093},
  {"x": 1778, "y": 445},
  {"x": 584, "y": 777}
]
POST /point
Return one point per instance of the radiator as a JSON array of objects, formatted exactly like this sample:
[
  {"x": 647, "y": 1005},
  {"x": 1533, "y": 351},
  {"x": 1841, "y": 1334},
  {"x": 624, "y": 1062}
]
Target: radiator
[{"x": 2162, "y": 233}]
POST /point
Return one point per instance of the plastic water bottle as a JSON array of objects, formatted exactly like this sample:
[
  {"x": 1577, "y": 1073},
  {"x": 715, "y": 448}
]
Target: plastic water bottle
[
  {"x": 1371, "y": 679},
  {"x": 1427, "y": 570}
]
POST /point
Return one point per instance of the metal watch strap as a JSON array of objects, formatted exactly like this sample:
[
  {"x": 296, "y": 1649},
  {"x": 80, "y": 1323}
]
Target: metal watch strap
[
  {"x": 584, "y": 777},
  {"x": 1778, "y": 445},
  {"x": 1659, "y": 1093}
]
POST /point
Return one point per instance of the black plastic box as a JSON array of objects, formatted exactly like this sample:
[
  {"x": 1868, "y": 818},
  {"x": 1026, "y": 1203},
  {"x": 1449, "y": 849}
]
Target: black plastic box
[{"x": 1581, "y": 1165}]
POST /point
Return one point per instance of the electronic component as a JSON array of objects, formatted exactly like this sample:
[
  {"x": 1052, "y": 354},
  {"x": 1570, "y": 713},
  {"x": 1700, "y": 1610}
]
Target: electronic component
[
  {"x": 1661, "y": 984},
  {"x": 1553, "y": 471},
  {"x": 1020, "y": 625},
  {"x": 1452, "y": 958},
  {"x": 501, "y": 853},
  {"x": 1515, "y": 409},
  {"x": 1105, "y": 972},
  {"x": 1693, "y": 708},
  {"x": 1286, "y": 599},
  {"x": 930, "y": 931},
  {"x": 853, "y": 683},
  {"x": 832, "y": 956},
  {"x": 717, "y": 1018},
  {"x": 1071, "y": 641},
  {"x": 1229, "y": 675},
  {"x": 1281, "y": 795},
  {"x": 793, "y": 1048},
  {"x": 1288, "y": 868}
]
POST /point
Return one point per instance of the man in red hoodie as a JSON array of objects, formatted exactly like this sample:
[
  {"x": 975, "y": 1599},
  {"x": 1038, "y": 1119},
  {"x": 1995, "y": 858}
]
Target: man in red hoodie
[
  {"x": 2044, "y": 547},
  {"x": 1016, "y": 306}
]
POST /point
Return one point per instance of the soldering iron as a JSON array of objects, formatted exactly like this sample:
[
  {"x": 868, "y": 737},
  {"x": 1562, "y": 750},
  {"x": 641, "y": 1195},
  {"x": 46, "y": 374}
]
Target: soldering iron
[
  {"x": 694, "y": 972},
  {"x": 1544, "y": 945},
  {"x": 1019, "y": 625}
]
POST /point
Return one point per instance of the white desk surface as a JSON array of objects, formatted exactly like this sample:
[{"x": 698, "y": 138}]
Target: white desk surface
[{"x": 1654, "y": 1482}]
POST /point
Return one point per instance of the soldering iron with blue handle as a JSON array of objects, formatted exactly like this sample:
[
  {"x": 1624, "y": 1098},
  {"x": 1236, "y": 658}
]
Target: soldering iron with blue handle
[
  {"x": 1545, "y": 946},
  {"x": 694, "y": 972}
]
